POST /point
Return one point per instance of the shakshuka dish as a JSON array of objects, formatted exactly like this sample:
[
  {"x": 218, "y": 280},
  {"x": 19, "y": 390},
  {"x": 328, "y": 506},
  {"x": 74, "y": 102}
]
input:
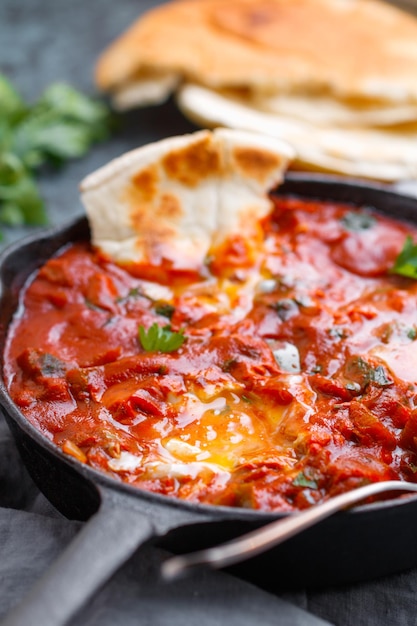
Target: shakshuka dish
[{"x": 274, "y": 368}]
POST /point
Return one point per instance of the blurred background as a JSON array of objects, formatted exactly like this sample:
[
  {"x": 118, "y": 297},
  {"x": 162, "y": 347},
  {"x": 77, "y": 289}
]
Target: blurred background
[{"x": 48, "y": 41}]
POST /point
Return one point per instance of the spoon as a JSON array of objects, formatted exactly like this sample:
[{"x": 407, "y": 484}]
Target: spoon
[{"x": 274, "y": 533}]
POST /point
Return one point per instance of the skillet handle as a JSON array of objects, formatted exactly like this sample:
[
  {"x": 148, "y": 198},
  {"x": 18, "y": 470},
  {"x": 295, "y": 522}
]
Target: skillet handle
[{"x": 102, "y": 545}]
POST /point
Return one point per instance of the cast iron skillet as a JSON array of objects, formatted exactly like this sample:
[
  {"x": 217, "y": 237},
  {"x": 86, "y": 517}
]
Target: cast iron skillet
[{"x": 360, "y": 544}]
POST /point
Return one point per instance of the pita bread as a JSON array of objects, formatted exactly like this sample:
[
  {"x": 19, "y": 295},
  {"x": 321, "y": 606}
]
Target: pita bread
[
  {"x": 323, "y": 110},
  {"x": 149, "y": 90},
  {"x": 171, "y": 201},
  {"x": 363, "y": 49},
  {"x": 366, "y": 153},
  {"x": 337, "y": 79}
]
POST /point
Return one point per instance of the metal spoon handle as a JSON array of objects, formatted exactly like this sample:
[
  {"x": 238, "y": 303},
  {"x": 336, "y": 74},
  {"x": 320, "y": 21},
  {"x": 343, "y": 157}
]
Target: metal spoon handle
[{"x": 276, "y": 532}]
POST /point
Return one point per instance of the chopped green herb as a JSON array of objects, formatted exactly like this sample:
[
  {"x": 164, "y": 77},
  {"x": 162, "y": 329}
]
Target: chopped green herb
[
  {"x": 356, "y": 221},
  {"x": 165, "y": 309},
  {"x": 379, "y": 377},
  {"x": 94, "y": 307},
  {"x": 160, "y": 338},
  {"x": 361, "y": 372},
  {"x": 44, "y": 364},
  {"x": 357, "y": 363},
  {"x": 301, "y": 480},
  {"x": 61, "y": 125},
  {"x": 412, "y": 333},
  {"x": 406, "y": 262},
  {"x": 338, "y": 332},
  {"x": 304, "y": 301},
  {"x": 228, "y": 364},
  {"x": 286, "y": 308},
  {"x": 396, "y": 331},
  {"x": 134, "y": 292},
  {"x": 112, "y": 319},
  {"x": 52, "y": 366}
]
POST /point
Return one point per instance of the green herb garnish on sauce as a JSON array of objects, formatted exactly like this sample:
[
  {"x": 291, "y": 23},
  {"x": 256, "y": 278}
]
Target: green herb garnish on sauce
[
  {"x": 406, "y": 262},
  {"x": 301, "y": 480},
  {"x": 160, "y": 338}
]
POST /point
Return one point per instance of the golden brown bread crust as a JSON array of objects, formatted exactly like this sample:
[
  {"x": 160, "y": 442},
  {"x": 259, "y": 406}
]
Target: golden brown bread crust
[
  {"x": 386, "y": 154},
  {"x": 351, "y": 48},
  {"x": 169, "y": 201}
]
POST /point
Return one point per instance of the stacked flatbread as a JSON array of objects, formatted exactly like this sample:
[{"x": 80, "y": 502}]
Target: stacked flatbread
[{"x": 335, "y": 78}]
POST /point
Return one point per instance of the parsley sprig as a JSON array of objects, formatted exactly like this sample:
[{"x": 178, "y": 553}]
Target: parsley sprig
[
  {"x": 160, "y": 338},
  {"x": 61, "y": 125},
  {"x": 406, "y": 262}
]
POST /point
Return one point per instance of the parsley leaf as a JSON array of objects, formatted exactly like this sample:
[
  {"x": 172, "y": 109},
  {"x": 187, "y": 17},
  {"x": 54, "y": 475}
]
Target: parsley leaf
[
  {"x": 160, "y": 338},
  {"x": 379, "y": 377},
  {"x": 412, "y": 333},
  {"x": 285, "y": 308},
  {"x": 61, "y": 125},
  {"x": 406, "y": 262},
  {"x": 357, "y": 221},
  {"x": 361, "y": 372},
  {"x": 301, "y": 480}
]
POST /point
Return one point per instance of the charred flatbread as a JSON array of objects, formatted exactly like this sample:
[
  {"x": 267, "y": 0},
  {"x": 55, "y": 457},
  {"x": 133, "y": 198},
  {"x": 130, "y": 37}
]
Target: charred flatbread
[{"x": 171, "y": 201}]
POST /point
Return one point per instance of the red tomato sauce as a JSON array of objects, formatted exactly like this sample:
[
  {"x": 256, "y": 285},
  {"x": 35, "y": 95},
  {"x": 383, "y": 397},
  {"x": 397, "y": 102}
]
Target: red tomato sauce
[{"x": 295, "y": 377}]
